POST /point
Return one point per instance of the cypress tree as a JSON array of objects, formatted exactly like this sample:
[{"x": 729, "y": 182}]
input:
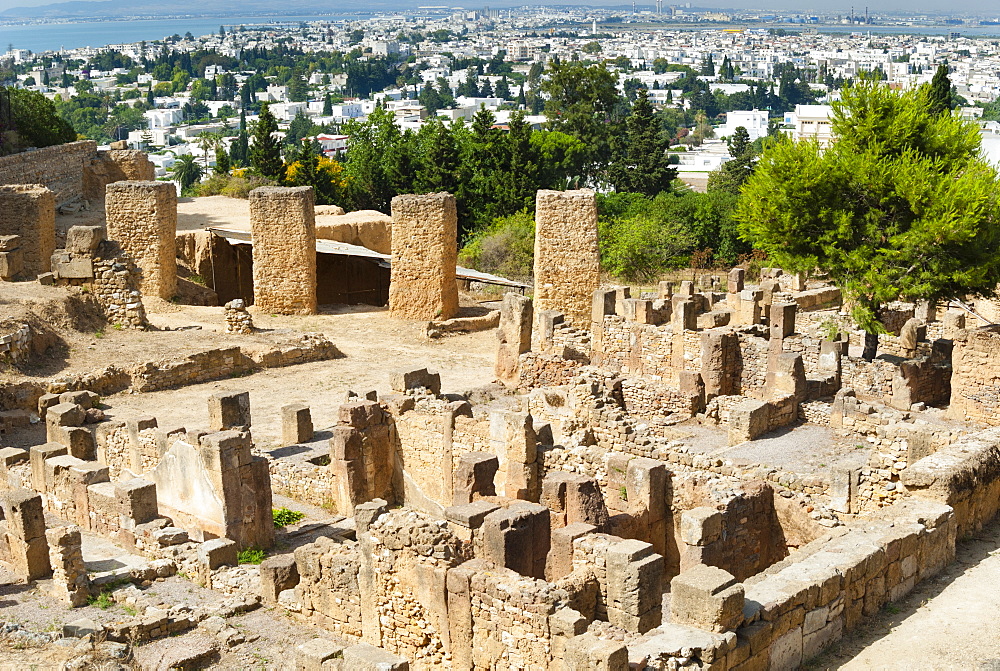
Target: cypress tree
[
  {"x": 939, "y": 95},
  {"x": 640, "y": 163}
]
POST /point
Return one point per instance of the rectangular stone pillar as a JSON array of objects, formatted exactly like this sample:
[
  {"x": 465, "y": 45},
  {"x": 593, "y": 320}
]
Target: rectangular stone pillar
[
  {"x": 518, "y": 538},
  {"x": 142, "y": 219},
  {"x": 229, "y": 410},
  {"x": 706, "y": 597},
  {"x": 635, "y": 589},
  {"x": 424, "y": 254},
  {"x": 29, "y": 211},
  {"x": 567, "y": 260},
  {"x": 70, "y": 582},
  {"x": 513, "y": 336},
  {"x": 737, "y": 276},
  {"x": 283, "y": 222},
  {"x": 24, "y": 546},
  {"x": 782, "y": 320},
  {"x": 720, "y": 363},
  {"x": 296, "y": 424}
]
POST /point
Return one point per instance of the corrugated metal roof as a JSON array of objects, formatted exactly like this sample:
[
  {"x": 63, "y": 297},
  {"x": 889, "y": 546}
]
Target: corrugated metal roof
[{"x": 237, "y": 237}]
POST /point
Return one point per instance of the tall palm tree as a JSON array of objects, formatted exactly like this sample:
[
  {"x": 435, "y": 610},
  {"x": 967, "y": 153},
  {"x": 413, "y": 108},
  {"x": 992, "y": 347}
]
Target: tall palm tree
[{"x": 187, "y": 171}]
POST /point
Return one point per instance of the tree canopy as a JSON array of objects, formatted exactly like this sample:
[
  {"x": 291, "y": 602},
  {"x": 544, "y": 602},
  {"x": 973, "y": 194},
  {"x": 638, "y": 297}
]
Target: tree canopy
[{"x": 900, "y": 207}]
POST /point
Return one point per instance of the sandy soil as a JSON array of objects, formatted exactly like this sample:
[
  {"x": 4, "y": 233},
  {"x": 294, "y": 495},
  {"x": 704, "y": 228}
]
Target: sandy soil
[{"x": 197, "y": 213}]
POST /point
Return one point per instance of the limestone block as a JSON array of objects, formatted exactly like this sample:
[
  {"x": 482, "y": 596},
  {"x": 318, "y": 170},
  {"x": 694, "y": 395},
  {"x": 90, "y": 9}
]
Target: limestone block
[
  {"x": 424, "y": 256},
  {"x": 913, "y": 331},
  {"x": 9, "y": 243},
  {"x": 685, "y": 315},
  {"x": 65, "y": 414},
  {"x": 296, "y": 424},
  {"x": 560, "y": 561},
  {"x": 720, "y": 351},
  {"x": 38, "y": 454},
  {"x": 85, "y": 399},
  {"x": 634, "y": 586},
  {"x": 228, "y": 410},
  {"x": 402, "y": 380},
  {"x": 311, "y": 655},
  {"x": 782, "y": 320},
  {"x": 513, "y": 336},
  {"x": 276, "y": 575},
  {"x": 567, "y": 260},
  {"x": 137, "y": 498},
  {"x": 365, "y": 657},
  {"x": 603, "y": 304},
  {"x": 11, "y": 456},
  {"x": 283, "y": 222},
  {"x": 11, "y": 264},
  {"x": 474, "y": 477},
  {"x": 706, "y": 597},
  {"x": 548, "y": 320},
  {"x": 142, "y": 219},
  {"x": 588, "y": 652},
  {"x": 518, "y": 538},
  {"x": 84, "y": 239},
  {"x": 701, "y": 526},
  {"x": 737, "y": 277},
  {"x": 665, "y": 289},
  {"x": 217, "y": 552},
  {"x": 29, "y": 211},
  {"x": 747, "y": 420},
  {"x": 953, "y": 323},
  {"x": 638, "y": 310},
  {"x": 70, "y": 582}
]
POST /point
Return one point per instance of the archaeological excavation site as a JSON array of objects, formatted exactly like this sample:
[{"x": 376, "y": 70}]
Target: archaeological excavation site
[{"x": 302, "y": 439}]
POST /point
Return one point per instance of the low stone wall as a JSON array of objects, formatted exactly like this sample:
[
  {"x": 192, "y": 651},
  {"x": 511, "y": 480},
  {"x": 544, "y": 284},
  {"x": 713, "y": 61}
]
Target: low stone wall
[
  {"x": 61, "y": 168},
  {"x": 15, "y": 343}
]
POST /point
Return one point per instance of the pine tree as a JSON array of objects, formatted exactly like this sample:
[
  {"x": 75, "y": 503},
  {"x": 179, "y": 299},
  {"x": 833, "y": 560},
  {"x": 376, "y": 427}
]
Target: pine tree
[
  {"x": 265, "y": 153},
  {"x": 939, "y": 95},
  {"x": 640, "y": 163},
  {"x": 735, "y": 172},
  {"x": 439, "y": 160}
]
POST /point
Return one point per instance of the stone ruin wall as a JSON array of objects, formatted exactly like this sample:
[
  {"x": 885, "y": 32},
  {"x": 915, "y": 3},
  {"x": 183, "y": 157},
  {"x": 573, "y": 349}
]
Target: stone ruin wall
[
  {"x": 75, "y": 171},
  {"x": 61, "y": 168},
  {"x": 424, "y": 255},
  {"x": 283, "y": 222},
  {"x": 567, "y": 260},
  {"x": 28, "y": 211},
  {"x": 975, "y": 380}
]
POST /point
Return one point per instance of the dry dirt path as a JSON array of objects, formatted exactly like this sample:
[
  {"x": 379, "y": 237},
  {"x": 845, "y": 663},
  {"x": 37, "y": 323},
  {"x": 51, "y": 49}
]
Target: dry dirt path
[{"x": 948, "y": 622}]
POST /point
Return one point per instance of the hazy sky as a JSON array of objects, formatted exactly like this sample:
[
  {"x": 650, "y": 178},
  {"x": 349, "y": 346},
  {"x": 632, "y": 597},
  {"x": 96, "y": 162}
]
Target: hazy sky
[{"x": 988, "y": 7}]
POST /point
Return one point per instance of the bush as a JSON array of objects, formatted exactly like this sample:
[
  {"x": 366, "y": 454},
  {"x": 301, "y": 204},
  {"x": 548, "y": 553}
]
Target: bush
[
  {"x": 252, "y": 555},
  {"x": 283, "y": 517},
  {"x": 505, "y": 247},
  {"x": 233, "y": 186}
]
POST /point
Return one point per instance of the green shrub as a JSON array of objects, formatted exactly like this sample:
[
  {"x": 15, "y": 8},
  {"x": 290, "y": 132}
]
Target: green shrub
[
  {"x": 233, "y": 186},
  {"x": 251, "y": 555},
  {"x": 505, "y": 247},
  {"x": 283, "y": 517}
]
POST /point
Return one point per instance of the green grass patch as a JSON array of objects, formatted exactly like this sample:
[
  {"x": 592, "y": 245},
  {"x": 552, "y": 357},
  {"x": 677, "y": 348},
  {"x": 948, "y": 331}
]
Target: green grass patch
[
  {"x": 251, "y": 555},
  {"x": 283, "y": 517}
]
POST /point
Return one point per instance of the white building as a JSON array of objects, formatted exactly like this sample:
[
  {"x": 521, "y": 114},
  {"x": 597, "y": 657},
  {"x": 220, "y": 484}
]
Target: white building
[
  {"x": 161, "y": 118},
  {"x": 755, "y": 122},
  {"x": 810, "y": 122}
]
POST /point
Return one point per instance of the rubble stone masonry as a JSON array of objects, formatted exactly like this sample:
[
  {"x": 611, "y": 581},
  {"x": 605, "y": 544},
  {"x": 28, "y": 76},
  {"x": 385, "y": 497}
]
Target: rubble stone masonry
[
  {"x": 142, "y": 219},
  {"x": 424, "y": 253},
  {"x": 60, "y": 168},
  {"x": 567, "y": 270},
  {"x": 283, "y": 222}
]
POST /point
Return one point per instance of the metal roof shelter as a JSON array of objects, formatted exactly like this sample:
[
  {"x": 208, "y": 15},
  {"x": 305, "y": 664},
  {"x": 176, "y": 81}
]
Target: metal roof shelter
[{"x": 238, "y": 237}]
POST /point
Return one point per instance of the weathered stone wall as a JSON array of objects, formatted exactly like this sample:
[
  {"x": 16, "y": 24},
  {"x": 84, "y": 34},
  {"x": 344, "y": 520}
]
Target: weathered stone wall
[
  {"x": 28, "y": 211},
  {"x": 283, "y": 222},
  {"x": 60, "y": 168},
  {"x": 567, "y": 261},
  {"x": 142, "y": 219},
  {"x": 424, "y": 253},
  {"x": 975, "y": 379}
]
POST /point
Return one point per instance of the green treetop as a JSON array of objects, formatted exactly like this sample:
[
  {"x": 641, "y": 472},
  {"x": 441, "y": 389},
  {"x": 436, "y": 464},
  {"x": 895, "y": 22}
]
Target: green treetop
[
  {"x": 640, "y": 162},
  {"x": 265, "y": 152},
  {"x": 899, "y": 207}
]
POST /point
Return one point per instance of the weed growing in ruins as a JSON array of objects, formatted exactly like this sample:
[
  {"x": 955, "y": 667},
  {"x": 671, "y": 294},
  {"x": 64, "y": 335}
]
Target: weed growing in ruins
[
  {"x": 251, "y": 555},
  {"x": 102, "y": 600},
  {"x": 99, "y": 334},
  {"x": 117, "y": 327},
  {"x": 197, "y": 279},
  {"x": 283, "y": 517},
  {"x": 623, "y": 493},
  {"x": 130, "y": 611},
  {"x": 830, "y": 329}
]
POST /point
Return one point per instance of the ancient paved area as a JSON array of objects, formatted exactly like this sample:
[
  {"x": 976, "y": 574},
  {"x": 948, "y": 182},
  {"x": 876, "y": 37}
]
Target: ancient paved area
[{"x": 949, "y": 622}]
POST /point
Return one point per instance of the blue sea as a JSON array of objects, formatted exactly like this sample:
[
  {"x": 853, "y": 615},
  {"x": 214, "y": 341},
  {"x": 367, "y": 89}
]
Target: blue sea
[{"x": 40, "y": 37}]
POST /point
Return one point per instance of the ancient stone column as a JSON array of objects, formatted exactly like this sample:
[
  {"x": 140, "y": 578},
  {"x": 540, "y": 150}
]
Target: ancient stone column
[
  {"x": 567, "y": 262},
  {"x": 424, "y": 253},
  {"x": 283, "y": 222},
  {"x": 142, "y": 219},
  {"x": 29, "y": 210}
]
